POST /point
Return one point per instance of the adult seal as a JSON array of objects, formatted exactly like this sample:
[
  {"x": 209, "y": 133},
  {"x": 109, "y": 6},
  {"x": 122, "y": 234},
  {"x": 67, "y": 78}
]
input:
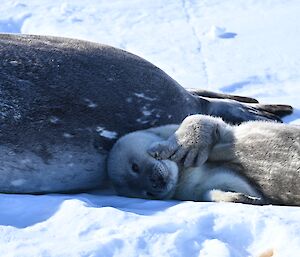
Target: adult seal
[{"x": 64, "y": 102}]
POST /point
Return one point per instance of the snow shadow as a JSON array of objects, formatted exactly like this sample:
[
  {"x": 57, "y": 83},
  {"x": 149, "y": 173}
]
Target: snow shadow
[
  {"x": 206, "y": 233},
  {"x": 240, "y": 84},
  {"x": 227, "y": 35},
  {"x": 13, "y": 25},
  {"x": 237, "y": 237},
  {"x": 252, "y": 80},
  {"x": 294, "y": 117},
  {"x": 21, "y": 211},
  {"x": 132, "y": 205}
]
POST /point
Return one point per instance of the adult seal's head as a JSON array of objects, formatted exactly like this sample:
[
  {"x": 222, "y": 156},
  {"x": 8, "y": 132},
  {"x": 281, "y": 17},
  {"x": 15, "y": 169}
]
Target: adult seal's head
[{"x": 134, "y": 173}]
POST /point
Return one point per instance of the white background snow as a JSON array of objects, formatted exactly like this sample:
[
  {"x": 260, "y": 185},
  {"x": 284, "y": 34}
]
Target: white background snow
[{"x": 248, "y": 47}]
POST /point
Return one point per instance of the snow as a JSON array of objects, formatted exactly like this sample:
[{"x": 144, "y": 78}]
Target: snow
[
  {"x": 106, "y": 133},
  {"x": 248, "y": 47}
]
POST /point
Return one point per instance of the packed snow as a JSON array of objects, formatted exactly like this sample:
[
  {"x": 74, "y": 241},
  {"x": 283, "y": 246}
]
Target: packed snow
[{"x": 248, "y": 47}]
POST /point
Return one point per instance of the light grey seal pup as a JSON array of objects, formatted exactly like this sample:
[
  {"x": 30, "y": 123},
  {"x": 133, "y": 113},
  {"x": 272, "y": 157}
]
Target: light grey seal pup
[
  {"x": 64, "y": 102},
  {"x": 206, "y": 159}
]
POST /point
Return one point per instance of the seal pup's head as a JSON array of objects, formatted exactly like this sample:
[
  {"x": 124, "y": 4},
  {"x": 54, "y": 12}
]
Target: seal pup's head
[{"x": 134, "y": 173}]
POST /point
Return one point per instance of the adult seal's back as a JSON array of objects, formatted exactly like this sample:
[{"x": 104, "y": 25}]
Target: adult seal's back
[{"x": 63, "y": 103}]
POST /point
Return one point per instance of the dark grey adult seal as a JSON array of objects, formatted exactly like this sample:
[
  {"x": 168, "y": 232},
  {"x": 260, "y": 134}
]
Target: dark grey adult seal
[{"x": 64, "y": 102}]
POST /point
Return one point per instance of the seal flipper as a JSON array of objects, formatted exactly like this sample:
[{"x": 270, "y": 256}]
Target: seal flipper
[
  {"x": 280, "y": 110},
  {"x": 235, "y": 112},
  {"x": 216, "y": 195},
  {"x": 209, "y": 94}
]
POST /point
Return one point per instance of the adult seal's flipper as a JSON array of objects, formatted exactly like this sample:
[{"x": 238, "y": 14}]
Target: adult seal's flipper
[
  {"x": 235, "y": 112},
  {"x": 205, "y": 93},
  {"x": 280, "y": 110},
  {"x": 244, "y": 108}
]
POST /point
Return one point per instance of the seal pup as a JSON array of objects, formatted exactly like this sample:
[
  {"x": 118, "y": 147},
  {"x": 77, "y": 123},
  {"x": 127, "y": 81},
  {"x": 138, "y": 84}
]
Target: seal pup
[
  {"x": 206, "y": 159},
  {"x": 64, "y": 102}
]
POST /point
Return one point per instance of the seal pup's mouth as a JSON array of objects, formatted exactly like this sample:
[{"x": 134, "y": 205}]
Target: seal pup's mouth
[{"x": 163, "y": 178}]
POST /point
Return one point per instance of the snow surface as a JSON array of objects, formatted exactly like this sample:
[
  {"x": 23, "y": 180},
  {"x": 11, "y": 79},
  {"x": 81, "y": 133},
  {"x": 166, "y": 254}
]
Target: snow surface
[{"x": 248, "y": 47}]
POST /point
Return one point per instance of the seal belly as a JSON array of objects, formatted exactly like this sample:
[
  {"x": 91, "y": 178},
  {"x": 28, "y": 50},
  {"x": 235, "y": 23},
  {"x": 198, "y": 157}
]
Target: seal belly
[{"x": 66, "y": 171}]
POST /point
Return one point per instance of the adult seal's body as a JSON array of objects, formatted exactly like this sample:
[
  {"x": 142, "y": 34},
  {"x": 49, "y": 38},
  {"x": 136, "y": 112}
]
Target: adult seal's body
[{"x": 64, "y": 102}]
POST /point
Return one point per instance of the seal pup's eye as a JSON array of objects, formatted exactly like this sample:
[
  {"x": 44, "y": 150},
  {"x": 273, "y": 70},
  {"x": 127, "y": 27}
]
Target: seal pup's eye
[{"x": 135, "y": 168}]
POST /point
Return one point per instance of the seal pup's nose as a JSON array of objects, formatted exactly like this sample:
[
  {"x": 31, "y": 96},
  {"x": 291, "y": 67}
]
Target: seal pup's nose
[
  {"x": 158, "y": 177},
  {"x": 158, "y": 180}
]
